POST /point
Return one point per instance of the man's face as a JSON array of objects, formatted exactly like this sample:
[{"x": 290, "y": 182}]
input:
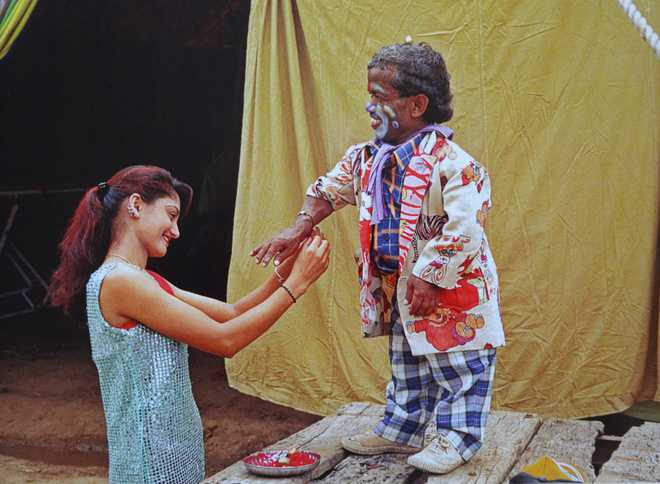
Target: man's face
[{"x": 390, "y": 113}]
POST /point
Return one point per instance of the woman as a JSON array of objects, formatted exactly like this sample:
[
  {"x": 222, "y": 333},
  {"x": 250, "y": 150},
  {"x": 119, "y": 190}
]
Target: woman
[{"x": 140, "y": 324}]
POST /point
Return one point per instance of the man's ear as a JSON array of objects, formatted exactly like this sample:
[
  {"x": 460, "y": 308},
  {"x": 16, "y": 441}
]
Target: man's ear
[{"x": 420, "y": 102}]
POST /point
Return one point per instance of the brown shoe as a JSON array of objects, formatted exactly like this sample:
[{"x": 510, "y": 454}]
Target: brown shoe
[{"x": 372, "y": 444}]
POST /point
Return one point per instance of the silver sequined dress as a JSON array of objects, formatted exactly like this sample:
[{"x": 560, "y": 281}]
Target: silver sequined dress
[{"x": 153, "y": 424}]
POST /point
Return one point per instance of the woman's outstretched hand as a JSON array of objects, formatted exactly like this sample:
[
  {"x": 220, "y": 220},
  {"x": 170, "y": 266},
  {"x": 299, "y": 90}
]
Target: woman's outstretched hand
[
  {"x": 312, "y": 261},
  {"x": 284, "y": 269}
]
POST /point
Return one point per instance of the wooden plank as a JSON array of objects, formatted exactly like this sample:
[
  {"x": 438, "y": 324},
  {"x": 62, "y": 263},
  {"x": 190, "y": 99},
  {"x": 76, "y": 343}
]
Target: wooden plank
[
  {"x": 376, "y": 469},
  {"x": 507, "y": 436},
  {"x": 322, "y": 437},
  {"x": 637, "y": 459},
  {"x": 360, "y": 408},
  {"x": 570, "y": 441}
]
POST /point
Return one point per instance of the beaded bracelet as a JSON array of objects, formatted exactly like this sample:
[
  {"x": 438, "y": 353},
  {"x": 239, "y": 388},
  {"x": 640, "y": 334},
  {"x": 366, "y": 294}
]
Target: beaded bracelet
[{"x": 289, "y": 292}]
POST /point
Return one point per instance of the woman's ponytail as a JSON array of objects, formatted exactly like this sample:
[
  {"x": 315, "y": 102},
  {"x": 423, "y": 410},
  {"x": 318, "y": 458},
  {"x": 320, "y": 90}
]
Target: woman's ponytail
[{"x": 82, "y": 249}]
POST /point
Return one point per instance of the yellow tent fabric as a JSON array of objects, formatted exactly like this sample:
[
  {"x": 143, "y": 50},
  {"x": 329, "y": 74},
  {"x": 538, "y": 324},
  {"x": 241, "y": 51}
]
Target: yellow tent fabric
[
  {"x": 559, "y": 100},
  {"x": 13, "y": 16}
]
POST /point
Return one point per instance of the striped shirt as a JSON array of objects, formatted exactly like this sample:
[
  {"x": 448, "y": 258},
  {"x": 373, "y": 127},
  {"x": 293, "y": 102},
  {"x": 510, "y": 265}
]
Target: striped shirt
[{"x": 385, "y": 248}]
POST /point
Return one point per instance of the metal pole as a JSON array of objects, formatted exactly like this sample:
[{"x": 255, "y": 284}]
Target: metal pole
[{"x": 8, "y": 225}]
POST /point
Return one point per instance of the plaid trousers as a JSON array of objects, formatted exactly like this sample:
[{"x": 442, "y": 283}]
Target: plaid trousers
[{"x": 456, "y": 386}]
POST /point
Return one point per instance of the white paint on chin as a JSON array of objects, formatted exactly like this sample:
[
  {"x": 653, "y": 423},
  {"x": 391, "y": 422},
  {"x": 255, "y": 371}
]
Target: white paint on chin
[{"x": 381, "y": 129}]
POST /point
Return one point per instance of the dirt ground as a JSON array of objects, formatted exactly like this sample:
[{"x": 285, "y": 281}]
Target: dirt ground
[{"x": 52, "y": 426}]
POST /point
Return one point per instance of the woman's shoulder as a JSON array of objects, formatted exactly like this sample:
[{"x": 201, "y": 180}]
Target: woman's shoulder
[
  {"x": 99, "y": 275},
  {"x": 128, "y": 274},
  {"x": 125, "y": 289},
  {"x": 125, "y": 279}
]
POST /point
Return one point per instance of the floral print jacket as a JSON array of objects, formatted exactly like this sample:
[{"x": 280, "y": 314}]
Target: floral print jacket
[{"x": 444, "y": 204}]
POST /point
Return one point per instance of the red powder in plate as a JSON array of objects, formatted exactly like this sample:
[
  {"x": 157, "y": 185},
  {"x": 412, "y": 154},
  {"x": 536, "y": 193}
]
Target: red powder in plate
[{"x": 269, "y": 459}]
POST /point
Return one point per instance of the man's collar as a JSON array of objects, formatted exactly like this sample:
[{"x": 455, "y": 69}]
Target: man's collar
[{"x": 444, "y": 130}]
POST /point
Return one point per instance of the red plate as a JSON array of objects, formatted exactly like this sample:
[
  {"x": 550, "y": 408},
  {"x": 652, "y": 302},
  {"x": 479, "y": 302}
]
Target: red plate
[{"x": 266, "y": 463}]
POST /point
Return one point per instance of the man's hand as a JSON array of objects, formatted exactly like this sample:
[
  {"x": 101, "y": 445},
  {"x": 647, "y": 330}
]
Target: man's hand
[
  {"x": 283, "y": 244},
  {"x": 421, "y": 296},
  {"x": 286, "y": 264}
]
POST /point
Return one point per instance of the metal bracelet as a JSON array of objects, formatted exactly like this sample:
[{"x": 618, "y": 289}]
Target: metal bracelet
[{"x": 302, "y": 213}]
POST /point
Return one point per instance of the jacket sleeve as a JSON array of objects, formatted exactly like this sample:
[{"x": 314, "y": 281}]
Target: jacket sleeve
[
  {"x": 466, "y": 199},
  {"x": 338, "y": 185}
]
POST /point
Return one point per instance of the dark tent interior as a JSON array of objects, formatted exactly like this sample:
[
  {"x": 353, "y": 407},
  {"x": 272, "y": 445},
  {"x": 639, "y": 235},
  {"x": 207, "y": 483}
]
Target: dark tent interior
[
  {"x": 91, "y": 87},
  {"x": 86, "y": 89}
]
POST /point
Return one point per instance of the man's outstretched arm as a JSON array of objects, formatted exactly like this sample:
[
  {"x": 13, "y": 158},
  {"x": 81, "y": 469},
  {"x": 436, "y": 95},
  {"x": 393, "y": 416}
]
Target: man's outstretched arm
[
  {"x": 328, "y": 193},
  {"x": 285, "y": 243}
]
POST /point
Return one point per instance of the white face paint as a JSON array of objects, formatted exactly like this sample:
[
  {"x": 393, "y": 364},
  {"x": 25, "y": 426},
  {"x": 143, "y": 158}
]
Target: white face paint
[
  {"x": 380, "y": 122},
  {"x": 383, "y": 116},
  {"x": 380, "y": 119}
]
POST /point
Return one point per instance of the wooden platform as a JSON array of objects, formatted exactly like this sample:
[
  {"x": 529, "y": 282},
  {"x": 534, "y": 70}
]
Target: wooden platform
[
  {"x": 637, "y": 459},
  {"x": 512, "y": 441}
]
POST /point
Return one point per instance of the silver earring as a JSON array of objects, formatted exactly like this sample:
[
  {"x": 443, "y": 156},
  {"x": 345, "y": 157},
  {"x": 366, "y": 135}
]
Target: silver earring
[{"x": 132, "y": 211}]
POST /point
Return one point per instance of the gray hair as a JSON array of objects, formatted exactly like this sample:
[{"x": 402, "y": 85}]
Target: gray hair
[{"x": 418, "y": 69}]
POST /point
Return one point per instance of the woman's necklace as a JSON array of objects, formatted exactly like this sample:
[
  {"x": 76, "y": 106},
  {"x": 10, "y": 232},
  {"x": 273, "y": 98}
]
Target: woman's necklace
[{"x": 124, "y": 259}]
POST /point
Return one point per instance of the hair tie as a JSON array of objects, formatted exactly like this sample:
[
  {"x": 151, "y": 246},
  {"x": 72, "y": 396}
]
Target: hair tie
[{"x": 101, "y": 189}]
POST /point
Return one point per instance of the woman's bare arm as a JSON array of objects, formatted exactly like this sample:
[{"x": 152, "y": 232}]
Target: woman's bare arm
[
  {"x": 136, "y": 296},
  {"x": 223, "y": 311}
]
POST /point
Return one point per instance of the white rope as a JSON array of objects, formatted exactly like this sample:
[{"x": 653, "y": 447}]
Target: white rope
[{"x": 641, "y": 24}]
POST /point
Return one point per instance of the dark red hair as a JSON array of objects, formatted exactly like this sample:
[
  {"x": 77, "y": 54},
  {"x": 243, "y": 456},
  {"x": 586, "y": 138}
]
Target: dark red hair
[{"x": 87, "y": 238}]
